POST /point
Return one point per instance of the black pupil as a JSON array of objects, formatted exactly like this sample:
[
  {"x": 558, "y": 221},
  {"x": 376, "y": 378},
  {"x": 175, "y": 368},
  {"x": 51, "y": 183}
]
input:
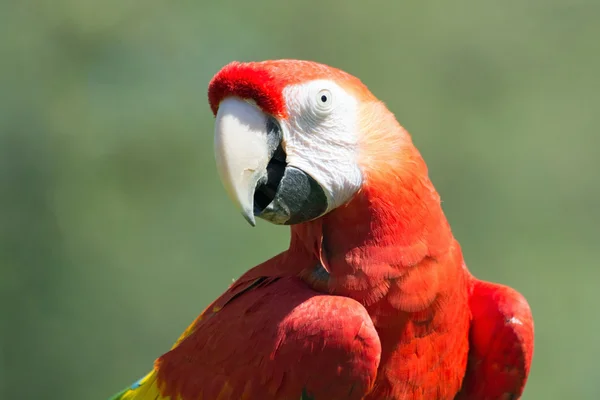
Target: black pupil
[{"x": 324, "y": 98}]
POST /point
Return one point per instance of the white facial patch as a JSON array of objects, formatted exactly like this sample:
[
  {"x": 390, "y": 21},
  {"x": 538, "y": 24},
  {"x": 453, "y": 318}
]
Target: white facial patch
[{"x": 320, "y": 137}]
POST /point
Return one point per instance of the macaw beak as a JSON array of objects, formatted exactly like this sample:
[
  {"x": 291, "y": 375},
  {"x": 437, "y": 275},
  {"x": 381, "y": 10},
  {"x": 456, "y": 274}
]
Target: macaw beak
[
  {"x": 241, "y": 151},
  {"x": 252, "y": 166}
]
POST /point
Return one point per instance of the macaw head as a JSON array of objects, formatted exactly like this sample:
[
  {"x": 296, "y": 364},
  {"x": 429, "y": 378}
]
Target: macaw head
[{"x": 295, "y": 140}]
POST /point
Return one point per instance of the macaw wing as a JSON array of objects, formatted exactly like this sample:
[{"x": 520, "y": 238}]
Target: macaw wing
[
  {"x": 147, "y": 388},
  {"x": 269, "y": 338},
  {"x": 501, "y": 344}
]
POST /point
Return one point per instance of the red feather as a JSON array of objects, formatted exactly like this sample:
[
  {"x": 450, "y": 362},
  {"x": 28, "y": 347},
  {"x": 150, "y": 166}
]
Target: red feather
[
  {"x": 501, "y": 338},
  {"x": 264, "y": 82},
  {"x": 271, "y": 339},
  {"x": 372, "y": 300}
]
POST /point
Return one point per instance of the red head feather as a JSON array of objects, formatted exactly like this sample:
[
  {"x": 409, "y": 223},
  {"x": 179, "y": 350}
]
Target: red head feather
[{"x": 264, "y": 82}]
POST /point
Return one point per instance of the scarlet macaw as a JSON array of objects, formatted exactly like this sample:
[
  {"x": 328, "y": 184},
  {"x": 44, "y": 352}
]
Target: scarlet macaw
[{"x": 372, "y": 300}]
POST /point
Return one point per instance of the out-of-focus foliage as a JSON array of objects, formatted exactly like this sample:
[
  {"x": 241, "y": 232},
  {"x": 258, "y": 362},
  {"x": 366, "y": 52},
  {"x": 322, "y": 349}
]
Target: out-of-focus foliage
[{"x": 116, "y": 233}]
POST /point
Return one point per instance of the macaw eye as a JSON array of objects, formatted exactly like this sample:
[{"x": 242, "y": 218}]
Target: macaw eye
[{"x": 324, "y": 101}]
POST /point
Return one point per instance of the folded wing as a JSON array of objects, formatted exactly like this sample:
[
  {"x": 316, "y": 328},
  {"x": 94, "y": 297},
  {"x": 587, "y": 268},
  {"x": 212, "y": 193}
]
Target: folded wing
[
  {"x": 269, "y": 338},
  {"x": 501, "y": 344}
]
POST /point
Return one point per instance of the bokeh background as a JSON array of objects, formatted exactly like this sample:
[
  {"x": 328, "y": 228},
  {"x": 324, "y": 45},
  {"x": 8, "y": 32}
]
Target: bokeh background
[{"x": 116, "y": 233}]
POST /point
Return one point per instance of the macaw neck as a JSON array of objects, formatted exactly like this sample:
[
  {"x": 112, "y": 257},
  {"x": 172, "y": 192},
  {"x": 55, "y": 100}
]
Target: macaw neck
[{"x": 387, "y": 228}]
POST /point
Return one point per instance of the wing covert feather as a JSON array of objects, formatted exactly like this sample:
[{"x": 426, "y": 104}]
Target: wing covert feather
[
  {"x": 276, "y": 339},
  {"x": 501, "y": 344}
]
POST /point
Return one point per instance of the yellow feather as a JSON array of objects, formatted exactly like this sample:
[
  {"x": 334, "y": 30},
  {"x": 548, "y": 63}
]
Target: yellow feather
[
  {"x": 144, "y": 389},
  {"x": 147, "y": 387}
]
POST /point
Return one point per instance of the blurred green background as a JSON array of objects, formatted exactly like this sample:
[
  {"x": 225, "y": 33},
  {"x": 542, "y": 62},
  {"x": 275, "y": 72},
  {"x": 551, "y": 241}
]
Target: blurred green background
[{"x": 115, "y": 229}]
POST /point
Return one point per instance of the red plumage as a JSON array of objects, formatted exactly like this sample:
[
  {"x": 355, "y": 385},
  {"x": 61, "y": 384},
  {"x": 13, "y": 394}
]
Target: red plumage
[
  {"x": 261, "y": 347},
  {"x": 248, "y": 82},
  {"x": 371, "y": 301},
  {"x": 264, "y": 82}
]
